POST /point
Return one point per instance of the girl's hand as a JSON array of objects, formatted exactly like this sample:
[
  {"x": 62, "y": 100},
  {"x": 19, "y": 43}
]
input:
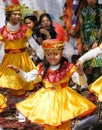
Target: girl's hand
[
  {"x": 95, "y": 44},
  {"x": 14, "y": 68},
  {"x": 43, "y": 31},
  {"x": 79, "y": 66}
]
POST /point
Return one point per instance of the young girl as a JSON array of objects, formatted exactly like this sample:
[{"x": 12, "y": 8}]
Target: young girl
[
  {"x": 46, "y": 29},
  {"x": 31, "y": 21},
  {"x": 55, "y": 104},
  {"x": 15, "y": 37},
  {"x": 96, "y": 86}
]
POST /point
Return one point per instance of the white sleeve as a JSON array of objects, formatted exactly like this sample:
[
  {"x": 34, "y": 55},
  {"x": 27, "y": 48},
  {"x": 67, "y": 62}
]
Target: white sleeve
[
  {"x": 90, "y": 54},
  {"x": 28, "y": 76},
  {"x": 2, "y": 52},
  {"x": 37, "y": 48},
  {"x": 80, "y": 80},
  {"x": 68, "y": 50}
]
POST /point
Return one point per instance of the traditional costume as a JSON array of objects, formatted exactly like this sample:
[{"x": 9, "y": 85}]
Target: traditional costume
[
  {"x": 2, "y": 102},
  {"x": 15, "y": 38},
  {"x": 70, "y": 18},
  {"x": 96, "y": 55},
  {"x": 55, "y": 104}
]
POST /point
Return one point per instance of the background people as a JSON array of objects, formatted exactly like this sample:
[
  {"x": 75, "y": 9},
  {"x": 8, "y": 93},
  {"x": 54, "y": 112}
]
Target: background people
[{"x": 90, "y": 19}]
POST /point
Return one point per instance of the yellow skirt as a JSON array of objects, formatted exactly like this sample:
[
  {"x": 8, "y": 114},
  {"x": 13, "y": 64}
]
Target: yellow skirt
[
  {"x": 55, "y": 107},
  {"x": 64, "y": 126},
  {"x": 9, "y": 79},
  {"x": 2, "y": 102},
  {"x": 96, "y": 88}
]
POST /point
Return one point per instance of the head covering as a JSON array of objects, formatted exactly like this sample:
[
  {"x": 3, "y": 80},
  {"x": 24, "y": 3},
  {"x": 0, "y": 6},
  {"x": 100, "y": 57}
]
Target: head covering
[
  {"x": 55, "y": 44},
  {"x": 13, "y": 7}
]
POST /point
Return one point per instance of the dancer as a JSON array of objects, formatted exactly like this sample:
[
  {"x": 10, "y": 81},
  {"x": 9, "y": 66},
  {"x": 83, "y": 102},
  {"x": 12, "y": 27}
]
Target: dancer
[
  {"x": 55, "y": 104},
  {"x": 15, "y": 37}
]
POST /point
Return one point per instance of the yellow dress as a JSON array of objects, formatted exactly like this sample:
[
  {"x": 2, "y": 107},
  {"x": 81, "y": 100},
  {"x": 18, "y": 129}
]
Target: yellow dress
[
  {"x": 96, "y": 88},
  {"x": 15, "y": 54},
  {"x": 55, "y": 104},
  {"x": 2, "y": 102}
]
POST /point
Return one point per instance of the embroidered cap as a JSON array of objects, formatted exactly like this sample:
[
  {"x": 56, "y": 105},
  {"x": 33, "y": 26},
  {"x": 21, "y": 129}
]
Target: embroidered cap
[
  {"x": 52, "y": 44},
  {"x": 12, "y": 7}
]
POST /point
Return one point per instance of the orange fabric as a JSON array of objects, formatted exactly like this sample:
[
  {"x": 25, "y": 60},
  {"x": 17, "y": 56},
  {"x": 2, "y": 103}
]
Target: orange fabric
[{"x": 67, "y": 18}]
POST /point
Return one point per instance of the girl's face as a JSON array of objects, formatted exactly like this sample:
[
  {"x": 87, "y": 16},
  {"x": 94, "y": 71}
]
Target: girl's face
[
  {"x": 29, "y": 23},
  {"x": 54, "y": 57},
  {"x": 15, "y": 17},
  {"x": 45, "y": 23},
  {"x": 91, "y": 2}
]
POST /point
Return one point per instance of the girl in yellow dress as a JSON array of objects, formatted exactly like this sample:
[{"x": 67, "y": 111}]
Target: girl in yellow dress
[
  {"x": 96, "y": 55},
  {"x": 55, "y": 104},
  {"x": 15, "y": 36}
]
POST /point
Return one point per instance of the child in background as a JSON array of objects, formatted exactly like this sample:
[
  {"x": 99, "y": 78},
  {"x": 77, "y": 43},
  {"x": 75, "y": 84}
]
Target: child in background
[
  {"x": 46, "y": 29},
  {"x": 31, "y": 21},
  {"x": 55, "y": 104}
]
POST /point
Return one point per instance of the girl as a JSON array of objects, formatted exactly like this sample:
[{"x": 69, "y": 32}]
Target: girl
[
  {"x": 45, "y": 30},
  {"x": 55, "y": 104},
  {"x": 31, "y": 21},
  {"x": 15, "y": 36}
]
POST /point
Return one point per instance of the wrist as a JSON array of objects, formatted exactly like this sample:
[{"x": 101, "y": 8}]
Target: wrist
[{"x": 17, "y": 71}]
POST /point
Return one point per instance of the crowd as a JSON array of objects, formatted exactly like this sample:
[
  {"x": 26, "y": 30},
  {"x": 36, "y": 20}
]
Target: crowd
[{"x": 41, "y": 54}]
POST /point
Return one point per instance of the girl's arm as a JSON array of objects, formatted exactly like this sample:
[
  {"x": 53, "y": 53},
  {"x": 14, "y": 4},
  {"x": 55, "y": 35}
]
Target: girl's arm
[
  {"x": 80, "y": 80},
  {"x": 26, "y": 76},
  {"x": 37, "y": 48},
  {"x": 79, "y": 77},
  {"x": 88, "y": 56}
]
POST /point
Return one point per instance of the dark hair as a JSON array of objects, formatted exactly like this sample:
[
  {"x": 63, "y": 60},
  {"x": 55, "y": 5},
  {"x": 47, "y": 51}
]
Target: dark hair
[
  {"x": 46, "y": 64},
  {"x": 8, "y": 14},
  {"x": 45, "y": 15},
  {"x": 52, "y": 31},
  {"x": 31, "y": 17}
]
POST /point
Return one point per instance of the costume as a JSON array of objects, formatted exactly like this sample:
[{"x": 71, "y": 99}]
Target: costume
[
  {"x": 70, "y": 18},
  {"x": 38, "y": 107},
  {"x": 55, "y": 104},
  {"x": 90, "y": 30},
  {"x": 95, "y": 54},
  {"x": 2, "y": 102},
  {"x": 15, "y": 38},
  {"x": 96, "y": 86},
  {"x": 90, "y": 20}
]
